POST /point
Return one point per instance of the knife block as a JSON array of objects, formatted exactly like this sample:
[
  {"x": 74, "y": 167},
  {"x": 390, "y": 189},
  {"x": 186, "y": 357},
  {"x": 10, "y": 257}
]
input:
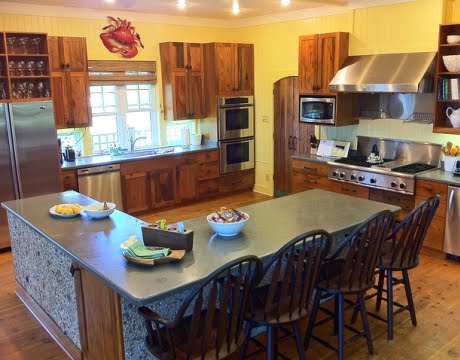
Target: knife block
[{"x": 153, "y": 236}]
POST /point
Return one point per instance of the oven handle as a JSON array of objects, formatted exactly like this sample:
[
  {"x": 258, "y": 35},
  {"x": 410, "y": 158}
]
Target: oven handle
[
  {"x": 294, "y": 143},
  {"x": 290, "y": 143}
]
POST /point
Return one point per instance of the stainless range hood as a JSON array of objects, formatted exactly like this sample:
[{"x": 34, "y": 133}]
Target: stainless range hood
[{"x": 386, "y": 73}]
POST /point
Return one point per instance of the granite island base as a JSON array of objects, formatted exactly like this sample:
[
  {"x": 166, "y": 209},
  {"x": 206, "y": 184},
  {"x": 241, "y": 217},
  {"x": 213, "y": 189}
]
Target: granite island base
[{"x": 72, "y": 275}]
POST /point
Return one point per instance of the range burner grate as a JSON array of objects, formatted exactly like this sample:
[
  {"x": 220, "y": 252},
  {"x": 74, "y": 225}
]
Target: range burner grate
[
  {"x": 357, "y": 161},
  {"x": 413, "y": 168}
]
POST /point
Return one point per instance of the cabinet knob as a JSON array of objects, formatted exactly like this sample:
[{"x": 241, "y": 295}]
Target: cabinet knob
[{"x": 67, "y": 66}]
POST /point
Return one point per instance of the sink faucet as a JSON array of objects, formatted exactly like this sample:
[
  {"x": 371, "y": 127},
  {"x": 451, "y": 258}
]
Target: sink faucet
[{"x": 132, "y": 141}]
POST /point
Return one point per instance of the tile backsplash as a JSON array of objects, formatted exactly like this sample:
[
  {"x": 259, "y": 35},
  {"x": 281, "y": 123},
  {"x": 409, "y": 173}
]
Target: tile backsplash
[{"x": 387, "y": 128}]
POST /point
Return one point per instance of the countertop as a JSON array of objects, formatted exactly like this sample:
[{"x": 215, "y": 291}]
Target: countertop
[
  {"x": 97, "y": 160},
  {"x": 314, "y": 158},
  {"x": 95, "y": 244}
]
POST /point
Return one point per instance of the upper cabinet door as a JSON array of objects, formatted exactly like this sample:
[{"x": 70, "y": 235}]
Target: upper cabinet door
[
  {"x": 320, "y": 57},
  {"x": 74, "y": 53},
  {"x": 308, "y": 61},
  {"x": 225, "y": 69},
  {"x": 182, "y": 80},
  {"x": 244, "y": 69},
  {"x": 332, "y": 52}
]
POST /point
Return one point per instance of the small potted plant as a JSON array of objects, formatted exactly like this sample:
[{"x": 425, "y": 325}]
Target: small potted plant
[{"x": 450, "y": 155}]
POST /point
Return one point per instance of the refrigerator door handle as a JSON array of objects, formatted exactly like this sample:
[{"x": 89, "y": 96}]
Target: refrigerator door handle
[{"x": 13, "y": 154}]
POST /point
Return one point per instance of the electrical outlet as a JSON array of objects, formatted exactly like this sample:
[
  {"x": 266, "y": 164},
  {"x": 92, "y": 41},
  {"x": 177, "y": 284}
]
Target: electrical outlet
[
  {"x": 265, "y": 119},
  {"x": 267, "y": 177}
]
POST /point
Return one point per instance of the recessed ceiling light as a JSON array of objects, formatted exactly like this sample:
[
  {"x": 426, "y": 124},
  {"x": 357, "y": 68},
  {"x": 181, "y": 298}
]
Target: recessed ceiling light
[
  {"x": 181, "y": 4},
  {"x": 110, "y": 1},
  {"x": 285, "y": 2},
  {"x": 236, "y": 7}
]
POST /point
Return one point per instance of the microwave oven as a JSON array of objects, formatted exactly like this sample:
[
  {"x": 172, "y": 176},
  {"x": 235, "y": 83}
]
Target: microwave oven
[{"x": 317, "y": 110}]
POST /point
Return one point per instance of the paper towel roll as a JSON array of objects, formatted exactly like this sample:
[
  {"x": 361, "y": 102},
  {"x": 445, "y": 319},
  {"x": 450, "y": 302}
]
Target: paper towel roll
[{"x": 186, "y": 137}]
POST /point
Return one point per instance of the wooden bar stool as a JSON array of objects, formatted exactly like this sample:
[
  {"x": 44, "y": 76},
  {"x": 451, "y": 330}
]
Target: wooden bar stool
[
  {"x": 350, "y": 271},
  {"x": 209, "y": 324},
  {"x": 401, "y": 253},
  {"x": 285, "y": 296}
]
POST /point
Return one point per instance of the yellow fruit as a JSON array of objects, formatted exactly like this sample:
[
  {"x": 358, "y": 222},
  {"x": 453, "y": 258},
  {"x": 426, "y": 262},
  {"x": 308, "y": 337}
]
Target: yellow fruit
[{"x": 453, "y": 150}]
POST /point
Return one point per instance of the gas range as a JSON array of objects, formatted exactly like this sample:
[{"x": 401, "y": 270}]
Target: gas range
[{"x": 392, "y": 175}]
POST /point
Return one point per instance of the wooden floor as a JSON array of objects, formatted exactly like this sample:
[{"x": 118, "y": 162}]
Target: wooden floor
[{"x": 435, "y": 284}]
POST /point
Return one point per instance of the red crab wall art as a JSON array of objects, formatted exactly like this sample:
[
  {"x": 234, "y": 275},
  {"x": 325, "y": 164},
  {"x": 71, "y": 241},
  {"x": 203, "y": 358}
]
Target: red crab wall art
[{"x": 120, "y": 37}]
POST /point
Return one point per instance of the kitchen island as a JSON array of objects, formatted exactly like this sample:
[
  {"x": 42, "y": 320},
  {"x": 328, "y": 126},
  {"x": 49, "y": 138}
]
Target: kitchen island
[{"x": 71, "y": 274}]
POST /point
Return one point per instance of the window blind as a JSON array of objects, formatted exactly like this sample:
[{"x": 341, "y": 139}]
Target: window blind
[{"x": 120, "y": 72}]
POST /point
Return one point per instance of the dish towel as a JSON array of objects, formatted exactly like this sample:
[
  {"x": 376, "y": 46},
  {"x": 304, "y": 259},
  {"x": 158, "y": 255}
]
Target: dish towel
[{"x": 139, "y": 250}]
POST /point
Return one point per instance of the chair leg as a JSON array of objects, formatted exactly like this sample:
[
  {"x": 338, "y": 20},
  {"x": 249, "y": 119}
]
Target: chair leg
[
  {"x": 244, "y": 347},
  {"x": 311, "y": 320},
  {"x": 336, "y": 311},
  {"x": 271, "y": 340},
  {"x": 298, "y": 341},
  {"x": 410, "y": 300},
  {"x": 379, "y": 289},
  {"x": 365, "y": 321},
  {"x": 390, "y": 303},
  {"x": 339, "y": 315}
]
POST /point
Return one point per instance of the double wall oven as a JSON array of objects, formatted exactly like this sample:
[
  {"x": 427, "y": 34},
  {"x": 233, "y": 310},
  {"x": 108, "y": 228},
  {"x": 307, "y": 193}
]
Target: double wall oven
[{"x": 235, "y": 122}]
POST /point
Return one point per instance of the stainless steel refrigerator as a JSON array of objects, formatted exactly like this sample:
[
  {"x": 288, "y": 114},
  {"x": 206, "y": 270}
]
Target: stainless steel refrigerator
[{"x": 29, "y": 162}]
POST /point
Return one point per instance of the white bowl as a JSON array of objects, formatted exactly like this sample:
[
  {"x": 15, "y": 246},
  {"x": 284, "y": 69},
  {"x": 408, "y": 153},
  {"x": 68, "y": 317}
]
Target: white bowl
[
  {"x": 453, "y": 39},
  {"x": 452, "y": 62},
  {"x": 96, "y": 210},
  {"x": 230, "y": 228}
]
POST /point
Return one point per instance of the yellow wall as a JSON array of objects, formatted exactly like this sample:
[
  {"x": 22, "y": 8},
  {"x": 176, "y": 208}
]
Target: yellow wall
[{"x": 394, "y": 28}]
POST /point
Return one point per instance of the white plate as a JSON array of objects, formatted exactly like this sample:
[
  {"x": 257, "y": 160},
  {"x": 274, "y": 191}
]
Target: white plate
[{"x": 54, "y": 213}]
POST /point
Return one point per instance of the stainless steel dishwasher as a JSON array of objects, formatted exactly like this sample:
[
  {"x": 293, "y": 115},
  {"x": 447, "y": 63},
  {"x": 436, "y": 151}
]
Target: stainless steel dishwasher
[
  {"x": 102, "y": 183},
  {"x": 452, "y": 238}
]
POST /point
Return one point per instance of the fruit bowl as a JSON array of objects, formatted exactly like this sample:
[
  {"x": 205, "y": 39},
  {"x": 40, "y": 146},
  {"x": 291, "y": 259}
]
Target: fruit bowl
[
  {"x": 97, "y": 210},
  {"x": 452, "y": 62},
  {"x": 453, "y": 39},
  {"x": 228, "y": 228}
]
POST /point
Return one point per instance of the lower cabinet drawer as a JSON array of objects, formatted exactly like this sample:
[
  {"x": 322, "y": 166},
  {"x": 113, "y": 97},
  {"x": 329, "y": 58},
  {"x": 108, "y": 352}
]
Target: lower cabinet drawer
[
  {"x": 237, "y": 181},
  {"x": 301, "y": 181},
  {"x": 208, "y": 170},
  {"x": 348, "y": 189}
]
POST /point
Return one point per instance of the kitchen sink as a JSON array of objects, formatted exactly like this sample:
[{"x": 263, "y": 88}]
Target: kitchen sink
[{"x": 144, "y": 153}]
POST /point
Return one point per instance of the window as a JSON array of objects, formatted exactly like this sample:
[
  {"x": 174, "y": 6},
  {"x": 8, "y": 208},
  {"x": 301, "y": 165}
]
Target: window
[{"x": 124, "y": 115}]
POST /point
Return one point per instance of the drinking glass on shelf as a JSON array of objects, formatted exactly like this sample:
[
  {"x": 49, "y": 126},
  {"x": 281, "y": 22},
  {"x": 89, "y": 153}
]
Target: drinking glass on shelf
[
  {"x": 2, "y": 91},
  {"x": 10, "y": 44},
  {"x": 20, "y": 67},
  {"x": 30, "y": 67},
  {"x": 30, "y": 90},
  {"x": 12, "y": 68},
  {"x": 41, "y": 67},
  {"x": 35, "y": 43},
  {"x": 41, "y": 88},
  {"x": 22, "y": 45}
]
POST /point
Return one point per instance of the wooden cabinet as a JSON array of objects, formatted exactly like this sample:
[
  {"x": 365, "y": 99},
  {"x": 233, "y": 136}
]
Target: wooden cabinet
[
  {"x": 70, "y": 82},
  {"x": 170, "y": 180},
  {"x": 405, "y": 201},
  {"x": 69, "y": 180},
  {"x": 308, "y": 175},
  {"x": 24, "y": 67},
  {"x": 229, "y": 71},
  {"x": 241, "y": 180},
  {"x": 291, "y": 136},
  {"x": 320, "y": 57},
  {"x": 434, "y": 239},
  {"x": 136, "y": 190},
  {"x": 445, "y": 81},
  {"x": 163, "y": 187},
  {"x": 182, "y": 79}
]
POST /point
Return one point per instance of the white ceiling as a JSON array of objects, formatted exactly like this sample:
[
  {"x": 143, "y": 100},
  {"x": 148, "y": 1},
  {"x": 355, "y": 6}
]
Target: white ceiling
[
  {"x": 211, "y": 9},
  {"x": 198, "y": 12}
]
